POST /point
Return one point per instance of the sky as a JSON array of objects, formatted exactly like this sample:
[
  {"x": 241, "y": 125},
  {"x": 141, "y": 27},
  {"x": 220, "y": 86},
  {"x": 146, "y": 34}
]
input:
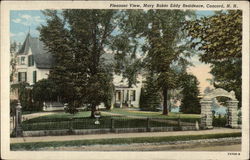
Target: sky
[{"x": 24, "y": 21}]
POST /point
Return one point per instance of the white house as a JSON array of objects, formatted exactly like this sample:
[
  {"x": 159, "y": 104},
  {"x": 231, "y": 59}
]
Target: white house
[
  {"x": 126, "y": 96},
  {"x": 34, "y": 63}
]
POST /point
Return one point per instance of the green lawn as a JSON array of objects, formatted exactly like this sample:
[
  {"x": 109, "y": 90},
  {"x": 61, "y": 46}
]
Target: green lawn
[
  {"x": 37, "y": 145},
  {"x": 82, "y": 120}
]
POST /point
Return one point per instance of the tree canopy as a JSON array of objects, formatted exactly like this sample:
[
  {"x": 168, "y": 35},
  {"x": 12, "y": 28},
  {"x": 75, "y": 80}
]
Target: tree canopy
[
  {"x": 77, "y": 43},
  {"x": 219, "y": 38}
]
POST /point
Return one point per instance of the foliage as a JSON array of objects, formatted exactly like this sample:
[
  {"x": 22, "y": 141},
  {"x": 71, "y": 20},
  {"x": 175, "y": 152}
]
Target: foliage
[
  {"x": 45, "y": 90},
  {"x": 190, "y": 92},
  {"x": 150, "y": 97},
  {"x": 13, "y": 61},
  {"x": 219, "y": 121},
  {"x": 126, "y": 46},
  {"x": 77, "y": 43},
  {"x": 219, "y": 38},
  {"x": 25, "y": 96}
]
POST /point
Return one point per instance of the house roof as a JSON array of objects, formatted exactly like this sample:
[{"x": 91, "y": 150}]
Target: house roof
[{"x": 42, "y": 58}]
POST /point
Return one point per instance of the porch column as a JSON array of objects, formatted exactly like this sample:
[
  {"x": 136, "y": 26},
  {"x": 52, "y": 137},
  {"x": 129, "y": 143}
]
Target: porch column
[
  {"x": 121, "y": 101},
  {"x": 232, "y": 113},
  {"x": 129, "y": 99},
  {"x": 206, "y": 114},
  {"x": 113, "y": 100}
]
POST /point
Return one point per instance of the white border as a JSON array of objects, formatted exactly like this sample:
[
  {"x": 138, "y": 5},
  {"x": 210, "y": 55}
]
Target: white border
[{"x": 37, "y": 5}]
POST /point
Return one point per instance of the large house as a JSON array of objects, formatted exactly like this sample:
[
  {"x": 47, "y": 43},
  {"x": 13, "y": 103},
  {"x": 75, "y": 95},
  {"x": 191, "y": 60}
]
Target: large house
[{"x": 34, "y": 63}]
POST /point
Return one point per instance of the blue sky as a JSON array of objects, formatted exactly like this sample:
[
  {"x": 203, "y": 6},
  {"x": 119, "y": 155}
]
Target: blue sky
[{"x": 23, "y": 20}]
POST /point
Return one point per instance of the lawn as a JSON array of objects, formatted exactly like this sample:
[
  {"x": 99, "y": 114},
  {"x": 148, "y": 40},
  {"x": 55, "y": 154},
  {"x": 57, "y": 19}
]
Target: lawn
[
  {"x": 137, "y": 113},
  {"x": 37, "y": 145}
]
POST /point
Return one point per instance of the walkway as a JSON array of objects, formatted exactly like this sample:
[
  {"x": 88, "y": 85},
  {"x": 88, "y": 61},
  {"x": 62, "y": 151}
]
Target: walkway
[{"x": 121, "y": 135}]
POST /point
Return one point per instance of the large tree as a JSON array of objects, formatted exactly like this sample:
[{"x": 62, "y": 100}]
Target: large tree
[
  {"x": 158, "y": 34},
  {"x": 165, "y": 50},
  {"x": 77, "y": 43},
  {"x": 219, "y": 38}
]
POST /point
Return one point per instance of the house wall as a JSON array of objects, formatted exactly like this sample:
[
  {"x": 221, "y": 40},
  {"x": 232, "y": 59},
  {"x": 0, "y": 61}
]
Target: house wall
[{"x": 41, "y": 73}]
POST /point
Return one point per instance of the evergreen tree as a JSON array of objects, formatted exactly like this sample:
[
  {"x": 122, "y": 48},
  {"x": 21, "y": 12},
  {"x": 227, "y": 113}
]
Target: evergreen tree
[
  {"x": 150, "y": 97},
  {"x": 190, "y": 102}
]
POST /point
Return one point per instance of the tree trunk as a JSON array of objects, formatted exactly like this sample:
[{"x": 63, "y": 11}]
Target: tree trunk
[
  {"x": 165, "y": 101},
  {"x": 93, "y": 109}
]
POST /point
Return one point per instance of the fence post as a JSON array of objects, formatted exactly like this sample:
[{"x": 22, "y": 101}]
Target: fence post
[
  {"x": 148, "y": 126},
  {"x": 18, "y": 120},
  {"x": 112, "y": 125}
]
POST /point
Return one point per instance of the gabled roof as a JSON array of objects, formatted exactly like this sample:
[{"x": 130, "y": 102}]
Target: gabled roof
[{"x": 42, "y": 58}]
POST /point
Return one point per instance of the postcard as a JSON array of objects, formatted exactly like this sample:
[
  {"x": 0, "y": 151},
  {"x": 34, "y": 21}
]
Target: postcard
[{"x": 125, "y": 80}]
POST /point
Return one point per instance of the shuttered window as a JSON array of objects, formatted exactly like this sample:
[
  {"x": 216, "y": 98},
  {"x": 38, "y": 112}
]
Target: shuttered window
[
  {"x": 31, "y": 60},
  {"x": 22, "y": 76},
  {"x": 22, "y": 60}
]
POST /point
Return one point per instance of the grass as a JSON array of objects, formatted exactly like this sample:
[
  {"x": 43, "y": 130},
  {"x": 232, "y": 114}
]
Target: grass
[
  {"x": 184, "y": 117},
  {"x": 82, "y": 120},
  {"x": 113, "y": 141}
]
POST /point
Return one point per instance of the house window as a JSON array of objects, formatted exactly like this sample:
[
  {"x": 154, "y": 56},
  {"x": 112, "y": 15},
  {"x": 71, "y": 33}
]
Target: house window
[
  {"x": 18, "y": 60},
  {"x": 22, "y": 60},
  {"x": 34, "y": 76},
  {"x": 22, "y": 76},
  {"x": 31, "y": 60},
  {"x": 133, "y": 95}
]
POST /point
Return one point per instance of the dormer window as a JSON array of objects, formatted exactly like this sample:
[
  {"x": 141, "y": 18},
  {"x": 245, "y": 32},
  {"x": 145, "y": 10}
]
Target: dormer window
[
  {"x": 22, "y": 60},
  {"x": 31, "y": 60}
]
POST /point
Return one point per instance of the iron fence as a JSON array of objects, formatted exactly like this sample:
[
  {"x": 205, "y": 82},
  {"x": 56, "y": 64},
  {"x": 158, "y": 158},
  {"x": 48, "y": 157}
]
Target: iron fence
[{"x": 104, "y": 123}]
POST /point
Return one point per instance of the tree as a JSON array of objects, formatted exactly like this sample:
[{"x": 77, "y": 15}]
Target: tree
[
  {"x": 219, "y": 38},
  {"x": 45, "y": 90},
  {"x": 150, "y": 96},
  {"x": 157, "y": 34},
  {"x": 126, "y": 45},
  {"x": 163, "y": 50},
  {"x": 190, "y": 102},
  {"x": 77, "y": 43}
]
